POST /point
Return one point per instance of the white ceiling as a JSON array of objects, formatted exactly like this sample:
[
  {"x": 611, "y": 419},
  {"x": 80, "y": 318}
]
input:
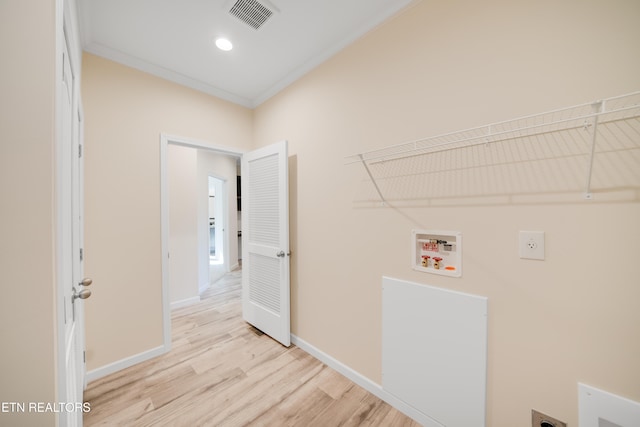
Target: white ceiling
[{"x": 174, "y": 39}]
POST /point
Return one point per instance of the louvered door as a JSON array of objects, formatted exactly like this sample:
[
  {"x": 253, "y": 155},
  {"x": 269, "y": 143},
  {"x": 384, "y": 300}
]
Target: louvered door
[{"x": 265, "y": 231}]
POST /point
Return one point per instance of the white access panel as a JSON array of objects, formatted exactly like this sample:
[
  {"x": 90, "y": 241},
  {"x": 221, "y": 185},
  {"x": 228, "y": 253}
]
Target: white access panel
[
  {"x": 434, "y": 351},
  {"x": 599, "y": 408}
]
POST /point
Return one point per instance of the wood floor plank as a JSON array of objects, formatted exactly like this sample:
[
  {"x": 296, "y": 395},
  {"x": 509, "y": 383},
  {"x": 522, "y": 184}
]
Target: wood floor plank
[
  {"x": 332, "y": 383},
  {"x": 297, "y": 409},
  {"x": 223, "y": 372},
  {"x": 126, "y": 416}
]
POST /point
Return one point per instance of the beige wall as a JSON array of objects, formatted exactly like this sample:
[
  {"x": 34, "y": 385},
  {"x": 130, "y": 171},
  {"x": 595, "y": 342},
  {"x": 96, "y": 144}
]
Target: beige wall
[
  {"x": 126, "y": 111},
  {"x": 439, "y": 67},
  {"x": 27, "y": 275},
  {"x": 447, "y": 66},
  {"x": 225, "y": 168},
  {"x": 188, "y": 172},
  {"x": 182, "y": 165}
]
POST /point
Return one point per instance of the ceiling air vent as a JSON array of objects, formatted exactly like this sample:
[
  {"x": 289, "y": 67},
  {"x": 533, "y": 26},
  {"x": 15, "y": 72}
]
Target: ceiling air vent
[{"x": 251, "y": 12}]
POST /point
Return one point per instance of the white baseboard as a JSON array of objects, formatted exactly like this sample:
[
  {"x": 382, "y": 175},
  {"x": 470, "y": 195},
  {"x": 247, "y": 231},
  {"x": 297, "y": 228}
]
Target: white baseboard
[
  {"x": 185, "y": 302},
  {"x": 203, "y": 287},
  {"x": 364, "y": 382},
  {"x": 125, "y": 363}
]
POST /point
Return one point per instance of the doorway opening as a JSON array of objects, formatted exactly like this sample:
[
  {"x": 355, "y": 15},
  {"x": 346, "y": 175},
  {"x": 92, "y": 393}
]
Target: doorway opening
[
  {"x": 208, "y": 160},
  {"x": 216, "y": 221}
]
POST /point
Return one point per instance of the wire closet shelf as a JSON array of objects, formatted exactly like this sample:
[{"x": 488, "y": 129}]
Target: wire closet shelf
[{"x": 588, "y": 117}]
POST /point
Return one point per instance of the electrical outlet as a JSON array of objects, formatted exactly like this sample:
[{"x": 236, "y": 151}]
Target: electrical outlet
[
  {"x": 532, "y": 245},
  {"x": 538, "y": 419}
]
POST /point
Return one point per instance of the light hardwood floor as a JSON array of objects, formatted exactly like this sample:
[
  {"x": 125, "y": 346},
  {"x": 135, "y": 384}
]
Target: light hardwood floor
[{"x": 223, "y": 372}]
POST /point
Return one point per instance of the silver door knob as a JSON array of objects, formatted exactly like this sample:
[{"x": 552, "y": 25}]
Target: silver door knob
[
  {"x": 83, "y": 294},
  {"x": 281, "y": 254},
  {"x": 86, "y": 282}
]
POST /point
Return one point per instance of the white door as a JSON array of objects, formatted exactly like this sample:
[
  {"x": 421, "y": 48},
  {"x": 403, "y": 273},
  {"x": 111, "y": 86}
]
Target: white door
[
  {"x": 265, "y": 234},
  {"x": 71, "y": 242},
  {"x": 79, "y": 280}
]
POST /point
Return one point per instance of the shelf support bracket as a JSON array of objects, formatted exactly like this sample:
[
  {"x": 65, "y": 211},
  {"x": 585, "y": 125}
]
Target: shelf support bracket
[
  {"x": 598, "y": 107},
  {"x": 373, "y": 181}
]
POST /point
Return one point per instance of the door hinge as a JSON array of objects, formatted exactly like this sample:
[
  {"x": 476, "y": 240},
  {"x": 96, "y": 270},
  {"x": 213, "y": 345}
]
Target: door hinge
[
  {"x": 84, "y": 356},
  {"x": 80, "y": 151},
  {"x": 81, "y": 254}
]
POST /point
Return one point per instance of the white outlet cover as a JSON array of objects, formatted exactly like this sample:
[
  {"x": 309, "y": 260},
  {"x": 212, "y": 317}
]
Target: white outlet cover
[{"x": 532, "y": 245}]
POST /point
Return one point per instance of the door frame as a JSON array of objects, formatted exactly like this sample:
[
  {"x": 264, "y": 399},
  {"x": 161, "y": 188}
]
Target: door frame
[{"x": 165, "y": 140}]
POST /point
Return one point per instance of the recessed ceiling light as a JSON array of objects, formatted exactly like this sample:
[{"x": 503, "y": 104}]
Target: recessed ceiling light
[{"x": 224, "y": 44}]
